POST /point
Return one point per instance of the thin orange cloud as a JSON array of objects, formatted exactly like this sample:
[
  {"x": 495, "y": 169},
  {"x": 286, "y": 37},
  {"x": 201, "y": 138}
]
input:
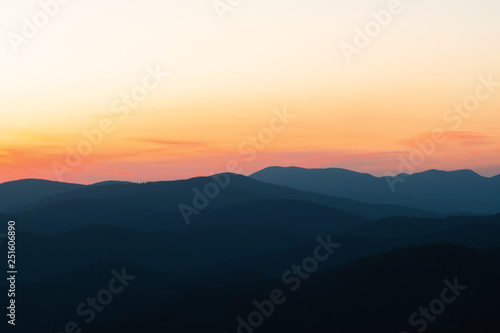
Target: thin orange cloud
[
  {"x": 465, "y": 138},
  {"x": 169, "y": 142}
]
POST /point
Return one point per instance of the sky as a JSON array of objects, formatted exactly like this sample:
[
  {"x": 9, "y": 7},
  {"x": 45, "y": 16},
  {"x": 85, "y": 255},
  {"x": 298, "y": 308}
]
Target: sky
[{"x": 371, "y": 86}]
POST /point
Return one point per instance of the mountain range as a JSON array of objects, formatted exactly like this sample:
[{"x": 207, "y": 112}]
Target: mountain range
[
  {"x": 394, "y": 251},
  {"x": 455, "y": 192}
]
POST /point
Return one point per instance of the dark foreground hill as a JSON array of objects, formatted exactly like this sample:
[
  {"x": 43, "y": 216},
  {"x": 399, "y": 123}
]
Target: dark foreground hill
[
  {"x": 376, "y": 294},
  {"x": 264, "y": 241}
]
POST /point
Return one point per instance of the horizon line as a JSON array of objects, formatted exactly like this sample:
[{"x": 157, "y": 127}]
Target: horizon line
[{"x": 219, "y": 173}]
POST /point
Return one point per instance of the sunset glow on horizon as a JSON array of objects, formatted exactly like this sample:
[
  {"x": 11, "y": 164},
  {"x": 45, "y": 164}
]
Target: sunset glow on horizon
[{"x": 233, "y": 80}]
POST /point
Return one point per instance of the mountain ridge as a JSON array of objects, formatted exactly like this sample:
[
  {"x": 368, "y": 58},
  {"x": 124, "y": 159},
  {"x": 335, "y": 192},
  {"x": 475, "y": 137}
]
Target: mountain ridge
[
  {"x": 169, "y": 195},
  {"x": 447, "y": 192}
]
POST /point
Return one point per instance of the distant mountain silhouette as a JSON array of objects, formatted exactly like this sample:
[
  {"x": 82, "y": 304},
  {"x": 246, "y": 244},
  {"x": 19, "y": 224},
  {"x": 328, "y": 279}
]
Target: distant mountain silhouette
[
  {"x": 162, "y": 196},
  {"x": 461, "y": 191},
  {"x": 29, "y": 191}
]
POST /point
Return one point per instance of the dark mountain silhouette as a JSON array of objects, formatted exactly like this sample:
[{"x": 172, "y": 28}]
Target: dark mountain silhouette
[
  {"x": 481, "y": 236},
  {"x": 168, "y": 251},
  {"x": 29, "y": 191},
  {"x": 461, "y": 191},
  {"x": 401, "y": 227},
  {"x": 110, "y": 182},
  {"x": 375, "y": 294},
  {"x": 392, "y": 259},
  {"x": 228, "y": 244},
  {"x": 161, "y": 196},
  {"x": 301, "y": 217}
]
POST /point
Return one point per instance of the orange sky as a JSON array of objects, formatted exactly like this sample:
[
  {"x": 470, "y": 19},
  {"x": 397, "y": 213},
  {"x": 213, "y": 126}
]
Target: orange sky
[{"x": 226, "y": 79}]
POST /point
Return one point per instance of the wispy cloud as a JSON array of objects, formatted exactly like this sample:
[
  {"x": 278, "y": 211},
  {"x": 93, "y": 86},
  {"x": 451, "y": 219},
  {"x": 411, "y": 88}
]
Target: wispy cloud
[
  {"x": 172, "y": 143},
  {"x": 460, "y": 138}
]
